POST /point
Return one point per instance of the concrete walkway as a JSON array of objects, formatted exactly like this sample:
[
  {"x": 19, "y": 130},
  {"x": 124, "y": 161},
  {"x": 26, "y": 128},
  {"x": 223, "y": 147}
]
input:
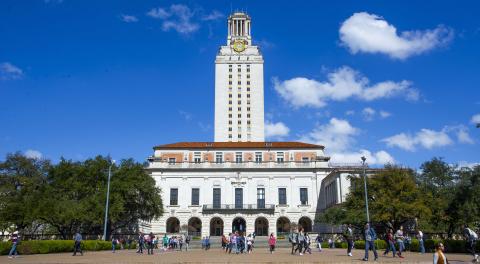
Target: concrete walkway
[{"x": 218, "y": 256}]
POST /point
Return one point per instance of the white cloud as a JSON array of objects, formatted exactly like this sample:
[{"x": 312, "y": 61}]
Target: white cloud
[
  {"x": 276, "y": 130},
  {"x": 379, "y": 158},
  {"x": 213, "y": 16},
  {"x": 370, "y": 33},
  {"x": 33, "y": 154},
  {"x": 9, "y": 71},
  {"x": 158, "y": 13},
  {"x": 178, "y": 17},
  {"x": 384, "y": 114},
  {"x": 129, "y": 18},
  {"x": 463, "y": 164},
  {"x": 426, "y": 138},
  {"x": 350, "y": 113},
  {"x": 338, "y": 137},
  {"x": 475, "y": 119},
  {"x": 368, "y": 113},
  {"x": 342, "y": 84}
]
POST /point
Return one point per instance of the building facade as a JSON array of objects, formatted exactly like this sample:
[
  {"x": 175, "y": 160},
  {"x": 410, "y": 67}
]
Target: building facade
[
  {"x": 239, "y": 85},
  {"x": 240, "y": 182}
]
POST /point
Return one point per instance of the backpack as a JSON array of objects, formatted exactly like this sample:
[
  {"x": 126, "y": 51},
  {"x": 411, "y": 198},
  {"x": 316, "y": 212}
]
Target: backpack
[{"x": 290, "y": 238}]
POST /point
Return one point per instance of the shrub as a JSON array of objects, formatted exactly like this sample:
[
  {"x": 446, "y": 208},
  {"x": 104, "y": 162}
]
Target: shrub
[{"x": 56, "y": 246}]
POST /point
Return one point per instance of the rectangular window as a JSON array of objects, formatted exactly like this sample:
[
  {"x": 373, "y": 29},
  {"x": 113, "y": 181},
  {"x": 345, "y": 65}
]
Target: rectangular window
[
  {"x": 239, "y": 122},
  {"x": 239, "y": 82},
  {"x": 239, "y": 115},
  {"x": 197, "y": 157},
  {"x": 258, "y": 157},
  {"x": 248, "y": 69},
  {"x": 195, "y": 196},
  {"x": 248, "y": 76},
  {"x": 217, "y": 196},
  {"x": 248, "y": 95},
  {"x": 248, "y": 102},
  {"x": 248, "y": 108},
  {"x": 229, "y": 76},
  {"x": 229, "y": 122},
  {"x": 248, "y": 122},
  {"x": 171, "y": 160},
  {"x": 248, "y": 89},
  {"x": 280, "y": 157},
  {"x": 238, "y": 198},
  {"x": 238, "y": 157},
  {"x": 229, "y": 129},
  {"x": 229, "y": 115},
  {"x": 305, "y": 159},
  {"x": 239, "y": 95},
  {"x": 260, "y": 197},
  {"x": 248, "y": 82},
  {"x": 219, "y": 155},
  {"x": 248, "y": 115},
  {"x": 229, "y": 135},
  {"x": 282, "y": 196},
  {"x": 230, "y": 102},
  {"x": 239, "y": 102},
  {"x": 239, "y": 109},
  {"x": 229, "y": 95},
  {"x": 239, "y": 135},
  {"x": 173, "y": 196},
  {"x": 230, "y": 70},
  {"x": 229, "y": 82},
  {"x": 303, "y": 196}
]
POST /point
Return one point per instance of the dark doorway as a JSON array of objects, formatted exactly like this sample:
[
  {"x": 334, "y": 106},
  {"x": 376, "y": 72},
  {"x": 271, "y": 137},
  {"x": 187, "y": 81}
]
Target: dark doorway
[{"x": 239, "y": 225}]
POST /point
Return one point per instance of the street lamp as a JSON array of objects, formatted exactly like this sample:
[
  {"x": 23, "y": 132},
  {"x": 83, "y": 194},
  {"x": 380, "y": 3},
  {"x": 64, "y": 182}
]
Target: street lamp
[
  {"x": 365, "y": 184},
  {"x": 106, "y": 203}
]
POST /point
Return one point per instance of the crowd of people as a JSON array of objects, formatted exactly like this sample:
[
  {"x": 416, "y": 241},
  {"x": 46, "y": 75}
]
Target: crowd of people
[{"x": 237, "y": 243}]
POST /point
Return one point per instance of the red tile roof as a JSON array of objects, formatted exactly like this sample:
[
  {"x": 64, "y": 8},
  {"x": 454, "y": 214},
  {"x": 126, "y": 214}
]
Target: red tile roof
[{"x": 239, "y": 145}]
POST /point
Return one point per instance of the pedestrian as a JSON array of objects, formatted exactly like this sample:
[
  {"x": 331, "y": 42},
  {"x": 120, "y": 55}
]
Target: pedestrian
[
  {"x": 272, "y": 241},
  {"x": 180, "y": 242},
  {"x": 370, "y": 237},
  {"x": 400, "y": 238},
  {"x": 438, "y": 256},
  {"x": 165, "y": 242},
  {"x": 77, "y": 244},
  {"x": 151, "y": 244},
  {"x": 307, "y": 244},
  {"x": 348, "y": 235},
  {"x": 187, "y": 242},
  {"x": 249, "y": 243},
  {"x": 207, "y": 243},
  {"x": 471, "y": 241},
  {"x": 300, "y": 241},
  {"x": 235, "y": 242},
  {"x": 421, "y": 242},
  {"x": 15, "y": 238},
  {"x": 292, "y": 238},
  {"x": 230, "y": 243},
  {"x": 129, "y": 242},
  {"x": 319, "y": 240},
  {"x": 141, "y": 242},
  {"x": 390, "y": 243},
  {"x": 114, "y": 243},
  {"x": 224, "y": 241}
]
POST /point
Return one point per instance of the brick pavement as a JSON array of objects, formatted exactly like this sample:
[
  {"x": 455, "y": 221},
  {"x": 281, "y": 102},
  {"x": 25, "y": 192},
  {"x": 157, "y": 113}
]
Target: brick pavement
[{"x": 217, "y": 256}]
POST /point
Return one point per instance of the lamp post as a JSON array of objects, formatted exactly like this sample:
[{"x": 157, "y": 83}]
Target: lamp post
[
  {"x": 365, "y": 184},
  {"x": 106, "y": 203}
]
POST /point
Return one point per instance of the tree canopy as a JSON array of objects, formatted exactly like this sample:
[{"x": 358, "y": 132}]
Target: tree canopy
[{"x": 70, "y": 196}]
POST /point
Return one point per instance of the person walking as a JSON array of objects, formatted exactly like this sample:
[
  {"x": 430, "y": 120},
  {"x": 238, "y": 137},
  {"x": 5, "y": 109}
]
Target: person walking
[
  {"x": 300, "y": 241},
  {"x": 471, "y": 241},
  {"x": 421, "y": 242},
  {"x": 272, "y": 241},
  {"x": 230, "y": 243},
  {"x": 13, "y": 250},
  {"x": 151, "y": 245},
  {"x": 223, "y": 240},
  {"x": 390, "y": 243},
  {"x": 307, "y": 244},
  {"x": 370, "y": 237},
  {"x": 165, "y": 242},
  {"x": 234, "y": 242},
  {"x": 292, "y": 238},
  {"x": 319, "y": 240},
  {"x": 141, "y": 243},
  {"x": 348, "y": 235},
  {"x": 180, "y": 242},
  {"x": 438, "y": 256},
  {"x": 249, "y": 244},
  {"x": 77, "y": 244},
  {"x": 114, "y": 243},
  {"x": 187, "y": 242},
  {"x": 400, "y": 241}
]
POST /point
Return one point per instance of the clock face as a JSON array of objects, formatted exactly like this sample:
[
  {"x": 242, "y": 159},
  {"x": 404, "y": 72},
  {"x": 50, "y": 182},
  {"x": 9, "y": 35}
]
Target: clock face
[{"x": 239, "y": 45}]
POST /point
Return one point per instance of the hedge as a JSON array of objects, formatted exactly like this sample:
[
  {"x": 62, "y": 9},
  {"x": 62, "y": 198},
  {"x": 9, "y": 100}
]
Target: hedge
[{"x": 56, "y": 246}]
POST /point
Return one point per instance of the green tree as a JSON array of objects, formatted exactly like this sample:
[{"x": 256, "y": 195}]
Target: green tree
[
  {"x": 437, "y": 183},
  {"x": 21, "y": 179},
  {"x": 74, "y": 198},
  {"x": 464, "y": 207},
  {"x": 394, "y": 198}
]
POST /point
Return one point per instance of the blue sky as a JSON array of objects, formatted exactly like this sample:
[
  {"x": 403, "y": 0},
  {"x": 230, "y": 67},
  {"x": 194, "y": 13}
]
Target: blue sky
[{"x": 392, "y": 81}]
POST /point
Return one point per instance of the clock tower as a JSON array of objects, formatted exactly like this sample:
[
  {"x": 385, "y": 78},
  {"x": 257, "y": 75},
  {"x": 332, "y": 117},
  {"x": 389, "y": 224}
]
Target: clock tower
[{"x": 239, "y": 111}]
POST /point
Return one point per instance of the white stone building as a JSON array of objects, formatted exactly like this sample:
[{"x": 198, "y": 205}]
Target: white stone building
[{"x": 239, "y": 181}]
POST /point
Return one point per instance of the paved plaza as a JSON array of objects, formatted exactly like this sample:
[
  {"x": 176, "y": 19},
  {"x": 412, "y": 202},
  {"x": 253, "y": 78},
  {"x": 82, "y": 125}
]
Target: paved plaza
[{"x": 217, "y": 256}]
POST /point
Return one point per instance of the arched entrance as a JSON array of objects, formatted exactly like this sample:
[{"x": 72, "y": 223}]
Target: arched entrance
[
  {"x": 283, "y": 225},
  {"x": 194, "y": 227},
  {"x": 239, "y": 224},
  {"x": 173, "y": 225},
  {"x": 216, "y": 226},
  {"x": 305, "y": 223},
  {"x": 261, "y": 226}
]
